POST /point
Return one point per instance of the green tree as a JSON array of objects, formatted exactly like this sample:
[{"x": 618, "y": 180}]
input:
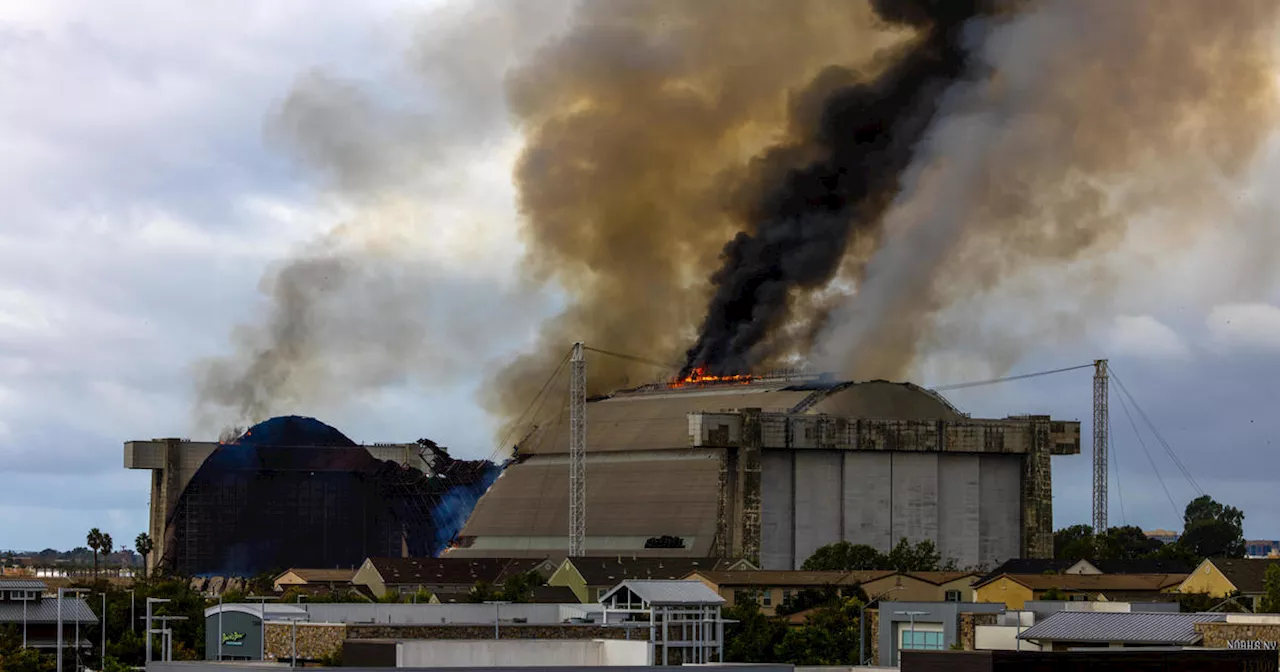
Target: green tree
[
  {"x": 828, "y": 637},
  {"x": 753, "y": 637},
  {"x": 844, "y": 557},
  {"x": 95, "y": 541},
  {"x": 1126, "y": 543},
  {"x": 1212, "y": 530},
  {"x": 921, "y": 557},
  {"x": 143, "y": 545},
  {"x": 1074, "y": 543},
  {"x": 519, "y": 587},
  {"x": 27, "y": 660},
  {"x": 1054, "y": 595},
  {"x": 1271, "y": 589},
  {"x": 807, "y": 599}
]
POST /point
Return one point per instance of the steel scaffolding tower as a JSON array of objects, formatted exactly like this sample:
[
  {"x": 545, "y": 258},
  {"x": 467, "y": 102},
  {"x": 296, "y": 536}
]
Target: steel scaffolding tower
[
  {"x": 1100, "y": 421},
  {"x": 577, "y": 452}
]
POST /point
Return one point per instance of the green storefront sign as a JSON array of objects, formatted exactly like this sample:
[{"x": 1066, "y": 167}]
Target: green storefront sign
[{"x": 233, "y": 639}]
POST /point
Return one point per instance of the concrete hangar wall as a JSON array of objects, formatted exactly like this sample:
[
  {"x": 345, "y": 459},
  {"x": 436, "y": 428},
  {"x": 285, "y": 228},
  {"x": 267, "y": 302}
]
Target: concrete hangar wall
[
  {"x": 969, "y": 505},
  {"x": 773, "y": 469}
]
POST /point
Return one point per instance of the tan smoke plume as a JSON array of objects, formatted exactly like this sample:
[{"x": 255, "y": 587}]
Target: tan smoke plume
[
  {"x": 1100, "y": 116},
  {"x": 640, "y": 124}
]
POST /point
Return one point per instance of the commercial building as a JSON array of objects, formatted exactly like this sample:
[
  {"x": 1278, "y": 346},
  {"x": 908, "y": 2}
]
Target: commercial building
[
  {"x": 1242, "y": 631},
  {"x": 1069, "y": 630},
  {"x": 1015, "y": 590},
  {"x": 681, "y": 619},
  {"x": 294, "y": 492},
  {"x": 1162, "y": 536},
  {"x": 1261, "y": 548},
  {"x": 1223, "y": 577},
  {"x": 772, "y": 468},
  {"x": 926, "y": 626}
]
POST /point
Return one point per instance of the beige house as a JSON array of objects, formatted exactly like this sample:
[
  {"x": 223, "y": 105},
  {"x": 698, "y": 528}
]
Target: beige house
[
  {"x": 440, "y": 575},
  {"x": 332, "y": 579},
  {"x": 770, "y": 589},
  {"x": 1223, "y": 577}
]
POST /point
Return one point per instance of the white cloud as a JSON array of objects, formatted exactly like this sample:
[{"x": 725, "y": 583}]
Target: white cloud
[
  {"x": 1145, "y": 336},
  {"x": 1245, "y": 326}
]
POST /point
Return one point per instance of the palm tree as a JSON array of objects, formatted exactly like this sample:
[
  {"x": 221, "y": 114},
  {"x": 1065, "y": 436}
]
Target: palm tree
[
  {"x": 107, "y": 547},
  {"x": 143, "y": 546},
  {"x": 95, "y": 542}
]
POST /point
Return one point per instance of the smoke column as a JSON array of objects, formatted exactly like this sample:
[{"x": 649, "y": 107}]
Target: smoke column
[
  {"x": 640, "y": 123},
  {"x": 804, "y": 219},
  {"x": 1101, "y": 121}
]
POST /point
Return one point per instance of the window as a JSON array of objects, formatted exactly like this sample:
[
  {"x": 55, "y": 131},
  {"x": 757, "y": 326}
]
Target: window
[
  {"x": 1079, "y": 598},
  {"x": 921, "y": 640},
  {"x": 786, "y": 595},
  {"x": 953, "y": 596},
  {"x": 742, "y": 597},
  {"x": 766, "y": 597}
]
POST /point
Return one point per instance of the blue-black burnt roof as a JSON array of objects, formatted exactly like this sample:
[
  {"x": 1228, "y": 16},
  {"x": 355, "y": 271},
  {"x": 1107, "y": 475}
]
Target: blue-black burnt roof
[{"x": 295, "y": 492}]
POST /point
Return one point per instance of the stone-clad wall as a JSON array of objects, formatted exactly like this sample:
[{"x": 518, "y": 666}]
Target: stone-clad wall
[
  {"x": 322, "y": 639},
  {"x": 969, "y": 621},
  {"x": 314, "y": 640},
  {"x": 1217, "y": 635}
]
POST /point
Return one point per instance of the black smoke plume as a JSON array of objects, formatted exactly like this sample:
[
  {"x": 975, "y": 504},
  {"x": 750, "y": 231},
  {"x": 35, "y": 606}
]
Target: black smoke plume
[{"x": 803, "y": 223}]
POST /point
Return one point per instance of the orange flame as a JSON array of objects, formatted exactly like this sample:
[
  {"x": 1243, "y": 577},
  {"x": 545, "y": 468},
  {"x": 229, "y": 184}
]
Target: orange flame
[{"x": 699, "y": 376}]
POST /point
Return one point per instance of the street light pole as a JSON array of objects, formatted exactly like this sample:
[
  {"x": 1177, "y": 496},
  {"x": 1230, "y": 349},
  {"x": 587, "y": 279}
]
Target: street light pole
[
  {"x": 912, "y": 616},
  {"x": 60, "y": 592},
  {"x": 220, "y": 630},
  {"x": 497, "y": 606},
  {"x": 133, "y": 614},
  {"x": 103, "y": 662}
]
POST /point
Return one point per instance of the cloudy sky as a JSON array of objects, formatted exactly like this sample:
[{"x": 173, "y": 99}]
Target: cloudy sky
[{"x": 146, "y": 193}]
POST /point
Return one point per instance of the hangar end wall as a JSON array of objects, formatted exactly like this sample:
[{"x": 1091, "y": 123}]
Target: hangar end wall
[{"x": 967, "y": 504}]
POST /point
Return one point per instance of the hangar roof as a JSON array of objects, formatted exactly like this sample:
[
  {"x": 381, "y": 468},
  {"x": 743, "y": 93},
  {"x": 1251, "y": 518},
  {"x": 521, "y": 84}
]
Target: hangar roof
[{"x": 655, "y": 417}]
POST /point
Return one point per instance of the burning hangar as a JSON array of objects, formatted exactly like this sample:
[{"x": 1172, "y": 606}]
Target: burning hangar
[
  {"x": 770, "y": 468},
  {"x": 293, "y": 491}
]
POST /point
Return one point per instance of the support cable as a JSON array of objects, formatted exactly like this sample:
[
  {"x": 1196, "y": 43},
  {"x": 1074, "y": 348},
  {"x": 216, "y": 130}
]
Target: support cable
[
  {"x": 993, "y": 381},
  {"x": 1165, "y": 444},
  {"x": 1142, "y": 443},
  {"x": 633, "y": 358},
  {"x": 1115, "y": 470},
  {"x": 535, "y": 401}
]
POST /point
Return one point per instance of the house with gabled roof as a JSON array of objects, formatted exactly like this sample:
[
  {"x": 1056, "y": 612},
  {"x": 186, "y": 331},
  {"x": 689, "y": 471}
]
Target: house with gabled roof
[
  {"x": 1224, "y": 577},
  {"x": 592, "y": 576}
]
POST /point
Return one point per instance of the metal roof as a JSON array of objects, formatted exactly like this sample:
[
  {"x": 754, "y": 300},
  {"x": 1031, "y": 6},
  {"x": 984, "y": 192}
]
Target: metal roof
[
  {"x": 668, "y": 593},
  {"x": 677, "y": 495},
  {"x": 1129, "y": 628},
  {"x": 22, "y": 584},
  {"x": 46, "y": 611}
]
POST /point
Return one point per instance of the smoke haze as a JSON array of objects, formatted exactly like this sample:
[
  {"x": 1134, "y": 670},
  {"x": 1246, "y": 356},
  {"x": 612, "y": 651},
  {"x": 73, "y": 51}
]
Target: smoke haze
[
  {"x": 365, "y": 305},
  {"x": 1099, "y": 116},
  {"x": 739, "y": 184}
]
